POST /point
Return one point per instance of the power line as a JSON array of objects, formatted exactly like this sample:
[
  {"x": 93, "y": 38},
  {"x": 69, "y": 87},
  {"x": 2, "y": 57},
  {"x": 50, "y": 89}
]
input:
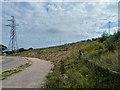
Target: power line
[{"x": 13, "y": 37}]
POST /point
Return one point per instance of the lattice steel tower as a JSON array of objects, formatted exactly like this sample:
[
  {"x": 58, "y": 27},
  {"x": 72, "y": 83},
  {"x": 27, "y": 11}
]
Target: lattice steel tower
[
  {"x": 109, "y": 28},
  {"x": 13, "y": 37}
]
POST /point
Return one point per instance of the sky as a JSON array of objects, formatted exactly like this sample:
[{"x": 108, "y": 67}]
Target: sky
[{"x": 44, "y": 24}]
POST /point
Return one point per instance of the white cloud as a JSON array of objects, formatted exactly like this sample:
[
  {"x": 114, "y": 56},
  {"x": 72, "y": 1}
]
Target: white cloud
[{"x": 43, "y": 21}]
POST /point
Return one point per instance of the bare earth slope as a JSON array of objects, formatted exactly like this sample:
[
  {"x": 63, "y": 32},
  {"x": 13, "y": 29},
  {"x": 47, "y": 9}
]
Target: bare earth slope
[{"x": 32, "y": 77}]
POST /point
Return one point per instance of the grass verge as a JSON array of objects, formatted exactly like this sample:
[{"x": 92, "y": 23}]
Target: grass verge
[{"x": 78, "y": 73}]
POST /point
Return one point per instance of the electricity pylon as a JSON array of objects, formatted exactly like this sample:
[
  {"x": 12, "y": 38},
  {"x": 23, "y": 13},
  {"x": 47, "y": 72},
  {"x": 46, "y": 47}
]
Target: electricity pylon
[
  {"x": 109, "y": 28},
  {"x": 13, "y": 37}
]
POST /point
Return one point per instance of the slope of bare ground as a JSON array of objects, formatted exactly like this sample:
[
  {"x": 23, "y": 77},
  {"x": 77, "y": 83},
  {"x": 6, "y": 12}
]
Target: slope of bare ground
[
  {"x": 56, "y": 53},
  {"x": 32, "y": 77}
]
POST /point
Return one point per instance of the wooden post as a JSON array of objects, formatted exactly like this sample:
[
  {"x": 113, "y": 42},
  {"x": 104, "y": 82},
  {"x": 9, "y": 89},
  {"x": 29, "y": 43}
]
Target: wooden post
[
  {"x": 79, "y": 54},
  {"x": 62, "y": 70}
]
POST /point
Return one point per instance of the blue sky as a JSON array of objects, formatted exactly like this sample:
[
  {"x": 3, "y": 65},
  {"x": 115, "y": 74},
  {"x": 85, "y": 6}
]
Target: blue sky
[{"x": 43, "y": 24}]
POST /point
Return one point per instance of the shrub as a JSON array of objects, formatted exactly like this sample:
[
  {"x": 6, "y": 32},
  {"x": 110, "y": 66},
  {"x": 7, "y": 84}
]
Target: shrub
[
  {"x": 104, "y": 37},
  {"x": 21, "y": 50},
  {"x": 111, "y": 46}
]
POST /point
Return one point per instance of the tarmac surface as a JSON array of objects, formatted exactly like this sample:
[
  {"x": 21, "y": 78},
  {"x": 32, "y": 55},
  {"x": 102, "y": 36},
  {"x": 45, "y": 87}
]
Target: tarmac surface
[
  {"x": 32, "y": 77},
  {"x": 11, "y": 62}
]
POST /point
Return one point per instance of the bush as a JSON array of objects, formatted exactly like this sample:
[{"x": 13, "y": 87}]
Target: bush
[
  {"x": 94, "y": 39},
  {"x": 21, "y": 50},
  {"x": 104, "y": 37},
  {"x": 111, "y": 46},
  {"x": 30, "y": 49}
]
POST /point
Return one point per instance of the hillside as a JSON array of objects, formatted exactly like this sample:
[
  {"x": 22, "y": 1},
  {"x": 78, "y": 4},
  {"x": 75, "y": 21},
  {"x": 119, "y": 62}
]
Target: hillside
[{"x": 73, "y": 71}]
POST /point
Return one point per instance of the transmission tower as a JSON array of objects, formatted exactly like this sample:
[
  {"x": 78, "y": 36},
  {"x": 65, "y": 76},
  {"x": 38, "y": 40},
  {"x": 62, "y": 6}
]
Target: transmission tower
[
  {"x": 13, "y": 38},
  {"x": 109, "y": 28}
]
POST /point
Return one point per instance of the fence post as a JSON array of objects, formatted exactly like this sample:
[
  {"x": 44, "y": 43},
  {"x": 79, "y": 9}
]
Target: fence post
[
  {"x": 79, "y": 54},
  {"x": 62, "y": 70}
]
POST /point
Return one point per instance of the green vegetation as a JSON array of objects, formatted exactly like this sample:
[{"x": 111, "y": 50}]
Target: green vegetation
[
  {"x": 104, "y": 52},
  {"x": 13, "y": 53},
  {"x": 8, "y": 73},
  {"x": 72, "y": 71},
  {"x": 80, "y": 74},
  {"x": 2, "y": 48}
]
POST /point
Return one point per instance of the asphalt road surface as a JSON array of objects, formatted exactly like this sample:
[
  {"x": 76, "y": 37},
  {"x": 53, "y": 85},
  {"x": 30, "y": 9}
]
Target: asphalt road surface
[
  {"x": 31, "y": 77},
  {"x": 12, "y": 62}
]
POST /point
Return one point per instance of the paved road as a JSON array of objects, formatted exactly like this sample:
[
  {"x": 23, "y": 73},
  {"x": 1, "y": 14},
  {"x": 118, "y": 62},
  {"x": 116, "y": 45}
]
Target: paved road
[
  {"x": 32, "y": 77},
  {"x": 12, "y": 62}
]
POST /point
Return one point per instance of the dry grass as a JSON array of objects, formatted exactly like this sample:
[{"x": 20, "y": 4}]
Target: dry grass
[{"x": 56, "y": 53}]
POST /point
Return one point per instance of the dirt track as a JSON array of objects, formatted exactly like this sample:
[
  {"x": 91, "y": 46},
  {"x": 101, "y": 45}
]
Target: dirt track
[{"x": 31, "y": 77}]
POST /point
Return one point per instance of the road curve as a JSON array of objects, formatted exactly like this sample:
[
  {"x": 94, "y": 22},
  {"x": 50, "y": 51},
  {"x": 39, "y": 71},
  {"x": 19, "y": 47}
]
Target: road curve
[
  {"x": 12, "y": 62},
  {"x": 32, "y": 77}
]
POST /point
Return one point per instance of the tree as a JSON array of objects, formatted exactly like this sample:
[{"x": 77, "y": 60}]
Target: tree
[
  {"x": 112, "y": 41},
  {"x": 104, "y": 37},
  {"x": 21, "y": 50},
  {"x": 30, "y": 48},
  {"x": 2, "y": 47}
]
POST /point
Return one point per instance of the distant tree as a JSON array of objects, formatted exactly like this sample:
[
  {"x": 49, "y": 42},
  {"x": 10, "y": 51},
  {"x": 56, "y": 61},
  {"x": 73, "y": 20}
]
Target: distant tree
[
  {"x": 93, "y": 39},
  {"x": 104, "y": 37},
  {"x": 21, "y": 50},
  {"x": 2, "y": 47},
  {"x": 116, "y": 36},
  {"x": 88, "y": 40},
  {"x": 30, "y": 48},
  {"x": 8, "y": 52}
]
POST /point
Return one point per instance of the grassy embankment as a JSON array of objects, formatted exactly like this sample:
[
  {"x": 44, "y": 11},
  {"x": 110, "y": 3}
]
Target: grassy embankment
[{"x": 72, "y": 71}]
